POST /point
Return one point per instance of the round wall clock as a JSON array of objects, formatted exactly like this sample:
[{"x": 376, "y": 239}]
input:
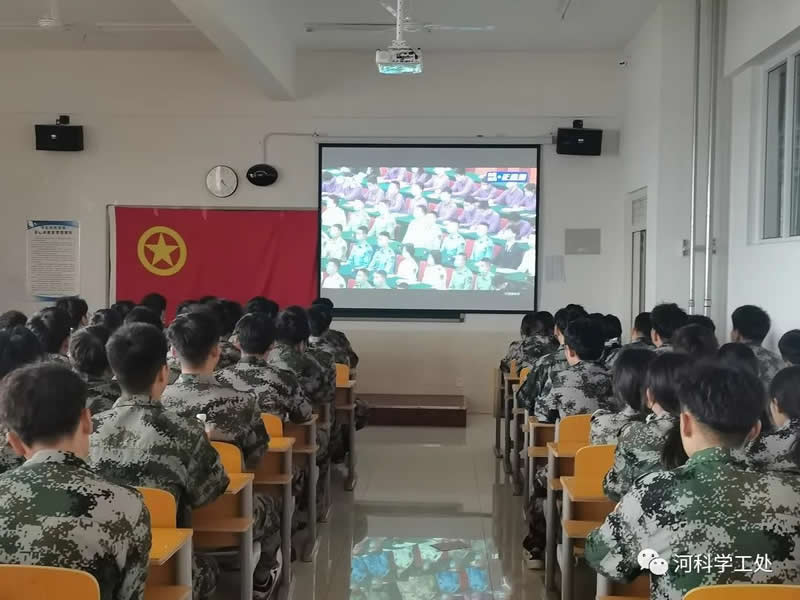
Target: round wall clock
[{"x": 222, "y": 181}]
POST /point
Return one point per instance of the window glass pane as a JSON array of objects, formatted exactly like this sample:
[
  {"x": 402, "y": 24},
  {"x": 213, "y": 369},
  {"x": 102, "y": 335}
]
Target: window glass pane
[
  {"x": 794, "y": 207},
  {"x": 775, "y": 145}
]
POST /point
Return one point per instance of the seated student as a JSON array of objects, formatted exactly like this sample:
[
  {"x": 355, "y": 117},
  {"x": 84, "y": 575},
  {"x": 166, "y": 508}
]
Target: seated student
[
  {"x": 528, "y": 264},
  {"x": 51, "y": 327},
  {"x": 408, "y": 268},
  {"x": 641, "y": 332},
  {"x": 447, "y": 209},
  {"x": 372, "y": 194},
  {"x": 107, "y": 318},
  {"x": 789, "y": 346},
  {"x": 142, "y": 314},
  {"x": 640, "y": 444},
  {"x": 484, "y": 192},
  {"x": 463, "y": 186},
  {"x": 713, "y": 506},
  {"x": 703, "y": 320},
  {"x": 337, "y": 337},
  {"x": 431, "y": 237},
  {"x": 123, "y": 307},
  {"x": 585, "y": 385},
  {"x": 612, "y": 331},
  {"x": 227, "y": 316},
  {"x": 483, "y": 281},
  {"x": 779, "y": 449},
  {"x": 435, "y": 274},
  {"x": 259, "y": 304},
  {"x": 521, "y": 229},
  {"x": 665, "y": 320},
  {"x": 698, "y": 341},
  {"x": 328, "y": 183},
  {"x": 385, "y": 221},
  {"x": 534, "y": 342},
  {"x": 419, "y": 176},
  {"x": 358, "y": 216},
  {"x": 379, "y": 280},
  {"x": 512, "y": 196},
  {"x": 337, "y": 245},
  {"x": 438, "y": 181},
  {"x": 333, "y": 280},
  {"x": 396, "y": 201},
  {"x": 360, "y": 251},
  {"x": 511, "y": 254},
  {"x": 630, "y": 370},
  {"x": 18, "y": 347},
  {"x": 462, "y": 278},
  {"x": 232, "y": 416},
  {"x": 751, "y": 325},
  {"x": 157, "y": 303},
  {"x": 486, "y": 214},
  {"x": 384, "y": 257},
  {"x": 468, "y": 213},
  {"x": 738, "y": 356},
  {"x": 77, "y": 310},
  {"x": 137, "y": 442},
  {"x": 12, "y": 318},
  {"x": 529, "y": 196},
  {"x": 362, "y": 280},
  {"x": 484, "y": 245},
  {"x": 416, "y": 234},
  {"x": 319, "y": 319},
  {"x": 453, "y": 243},
  {"x": 57, "y": 512},
  {"x": 87, "y": 351},
  {"x": 333, "y": 214}
]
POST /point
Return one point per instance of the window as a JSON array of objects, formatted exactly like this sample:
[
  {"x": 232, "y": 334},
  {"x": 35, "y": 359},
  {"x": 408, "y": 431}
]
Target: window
[{"x": 780, "y": 208}]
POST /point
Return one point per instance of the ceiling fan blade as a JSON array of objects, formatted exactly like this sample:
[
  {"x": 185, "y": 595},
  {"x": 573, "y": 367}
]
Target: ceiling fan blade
[
  {"x": 312, "y": 27},
  {"x": 435, "y": 27}
]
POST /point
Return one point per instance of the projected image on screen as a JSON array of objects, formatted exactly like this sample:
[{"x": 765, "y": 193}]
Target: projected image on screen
[{"x": 452, "y": 237}]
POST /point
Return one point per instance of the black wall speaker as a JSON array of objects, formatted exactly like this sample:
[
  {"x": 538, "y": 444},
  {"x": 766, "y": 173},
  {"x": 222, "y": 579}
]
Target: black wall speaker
[
  {"x": 583, "y": 142},
  {"x": 262, "y": 175},
  {"x": 59, "y": 138}
]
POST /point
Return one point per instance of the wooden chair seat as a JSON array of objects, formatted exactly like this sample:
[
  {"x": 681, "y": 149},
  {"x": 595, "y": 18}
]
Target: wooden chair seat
[
  {"x": 580, "y": 530},
  {"x": 745, "y": 591},
  {"x": 168, "y": 592},
  {"x": 44, "y": 583},
  {"x": 227, "y": 525}
]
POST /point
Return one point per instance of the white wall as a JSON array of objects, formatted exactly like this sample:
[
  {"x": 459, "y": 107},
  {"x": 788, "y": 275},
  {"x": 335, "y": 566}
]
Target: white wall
[
  {"x": 156, "y": 121},
  {"x": 755, "y": 26}
]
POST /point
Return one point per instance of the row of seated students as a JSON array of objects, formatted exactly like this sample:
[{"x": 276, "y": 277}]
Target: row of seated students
[
  {"x": 89, "y": 412},
  {"x": 707, "y": 458}
]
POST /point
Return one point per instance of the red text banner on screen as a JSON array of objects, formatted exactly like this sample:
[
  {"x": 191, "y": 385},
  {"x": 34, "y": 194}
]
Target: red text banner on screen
[{"x": 186, "y": 253}]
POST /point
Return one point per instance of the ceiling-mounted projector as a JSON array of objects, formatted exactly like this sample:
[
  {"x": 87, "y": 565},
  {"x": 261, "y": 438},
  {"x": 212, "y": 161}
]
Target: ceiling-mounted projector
[{"x": 399, "y": 60}]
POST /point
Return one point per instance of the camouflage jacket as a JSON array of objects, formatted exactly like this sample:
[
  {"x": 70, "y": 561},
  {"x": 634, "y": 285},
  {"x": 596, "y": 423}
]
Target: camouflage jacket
[
  {"x": 638, "y": 452},
  {"x": 611, "y": 351},
  {"x": 140, "y": 443},
  {"x": 606, "y": 425},
  {"x": 532, "y": 348},
  {"x": 513, "y": 353},
  {"x": 577, "y": 390},
  {"x": 234, "y": 415},
  {"x": 229, "y": 354},
  {"x": 325, "y": 344},
  {"x": 312, "y": 377},
  {"x": 328, "y": 364},
  {"x": 58, "y": 513},
  {"x": 769, "y": 363},
  {"x": 638, "y": 344},
  {"x": 538, "y": 381},
  {"x": 694, "y": 517},
  {"x": 665, "y": 347},
  {"x": 340, "y": 339},
  {"x": 278, "y": 391},
  {"x": 773, "y": 451},
  {"x": 101, "y": 394},
  {"x": 174, "y": 367},
  {"x": 8, "y": 458},
  {"x": 59, "y": 358}
]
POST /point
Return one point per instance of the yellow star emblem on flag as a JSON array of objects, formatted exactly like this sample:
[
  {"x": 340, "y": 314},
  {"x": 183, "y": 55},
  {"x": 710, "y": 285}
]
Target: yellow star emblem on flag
[{"x": 156, "y": 251}]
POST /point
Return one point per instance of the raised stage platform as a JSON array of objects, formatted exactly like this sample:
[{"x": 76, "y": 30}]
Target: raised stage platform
[{"x": 416, "y": 410}]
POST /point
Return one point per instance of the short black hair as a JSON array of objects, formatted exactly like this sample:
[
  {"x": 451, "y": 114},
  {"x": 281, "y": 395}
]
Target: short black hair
[
  {"x": 568, "y": 314},
  {"x": 214, "y": 305},
  {"x": 703, "y": 320},
  {"x": 727, "y": 401},
  {"x": 42, "y": 402},
  {"x": 738, "y": 356},
  {"x": 752, "y": 323},
  {"x": 630, "y": 374},
  {"x": 785, "y": 389},
  {"x": 664, "y": 374},
  {"x": 548, "y": 322},
  {"x": 255, "y": 332},
  {"x": 292, "y": 325},
  {"x": 231, "y": 311},
  {"x": 52, "y": 326},
  {"x": 324, "y": 301},
  {"x": 585, "y": 338},
  {"x": 108, "y": 318},
  {"x": 642, "y": 324},
  {"x": 142, "y": 314},
  {"x": 666, "y": 319},
  {"x": 698, "y": 341},
  {"x": 259, "y": 304},
  {"x": 123, "y": 307},
  {"x": 530, "y": 324},
  {"x": 75, "y": 307},
  {"x": 136, "y": 353},
  {"x": 185, "y": 306},
  {"x": 612, "y": 327},
  {"x": 12, "y": 318},
  {"x": 87, "y": 350},
  {"x": 789, "y": 345},
  {"x": 193, "y": 335},
  {"x": 319, "y": 319},
  {"x": 155, "y": 302},
  {"x": 18, "y": 346}
]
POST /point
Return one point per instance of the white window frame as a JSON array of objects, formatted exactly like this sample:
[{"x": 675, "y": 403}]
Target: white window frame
[{"x": 791, "y": 57}]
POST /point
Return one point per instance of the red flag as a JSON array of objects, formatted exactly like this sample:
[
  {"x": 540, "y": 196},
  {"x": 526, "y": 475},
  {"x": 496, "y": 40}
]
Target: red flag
[{"x": 237, "y": 254}]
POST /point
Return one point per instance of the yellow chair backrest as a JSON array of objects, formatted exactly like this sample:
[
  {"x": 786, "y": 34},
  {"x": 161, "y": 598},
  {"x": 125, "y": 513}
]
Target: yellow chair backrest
[
  {"x": 342, "y": 374},
  {"x": 162, "y": 507},
  {"x": 592, "y": 463},
  {"x": 273, "y": 424},
  {"x": 574, "y": 428},
  {"x": 523, "y": 374},
  {"x": 512, "y": 369},
  {"x": 230, "y": 456},
  {"x": 745, "y": 591},
  {"x": 45, "y": 583}
]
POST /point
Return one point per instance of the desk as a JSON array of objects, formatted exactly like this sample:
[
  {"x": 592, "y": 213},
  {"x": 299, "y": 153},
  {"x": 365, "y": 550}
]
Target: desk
[
  {"x": 497, "y": 403},
  {"x": 306, "y": 448},
  {"x": 346, "y": 404},
  {"x": 537, "y": 437},
  {"x": 169, "y": 543},
  {"x": 516, "y": 439},
  {"x": 508, "y": 399}
]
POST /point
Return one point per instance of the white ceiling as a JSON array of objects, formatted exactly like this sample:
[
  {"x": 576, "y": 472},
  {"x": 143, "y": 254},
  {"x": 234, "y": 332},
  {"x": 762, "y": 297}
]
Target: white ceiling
[{"x": 519, "y": 24}]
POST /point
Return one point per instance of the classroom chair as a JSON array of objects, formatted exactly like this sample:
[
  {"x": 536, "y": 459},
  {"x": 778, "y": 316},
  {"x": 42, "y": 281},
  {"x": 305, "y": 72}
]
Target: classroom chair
[
  {"x": 638, "y": 589},
  {"x": 345, "y": 404},
  {"x": 537, "y": 436},
  {"x": 745, "y": 591},
  {"x": 162, "y": 506},
  {"x": 516, "y": 417},
  {"x": 497, "y": 404},
  {"x": 45, "y": 583},
  {"x": 510, "y": 380},
  {"x": 342, "y": 374},
  {"x": 304, "y": 453}
]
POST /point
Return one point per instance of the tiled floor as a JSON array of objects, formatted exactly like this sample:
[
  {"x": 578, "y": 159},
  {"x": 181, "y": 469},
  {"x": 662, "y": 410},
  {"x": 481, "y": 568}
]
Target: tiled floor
[{"x": 420, "y": 488}]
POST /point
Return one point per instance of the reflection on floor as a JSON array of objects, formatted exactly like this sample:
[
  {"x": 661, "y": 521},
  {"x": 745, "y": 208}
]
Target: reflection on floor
[{"x": 432, "y": 518}]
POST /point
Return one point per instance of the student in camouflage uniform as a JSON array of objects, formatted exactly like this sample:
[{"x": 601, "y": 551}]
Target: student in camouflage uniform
[
  {"x": 139, "y": 443},
  {"x": 18, "y": 347},
  {"x": 789, "y": 345},
  {"x": 665, "y": 320},
  {"x": 779, "y": 449},
  {"x": 52, "y": 327},
  {"x": 335, "y": 337},
  {"x": 641, "y": 332},
  {"x": 751, "y": 325},
  {"x": 612, "y": 331},
  {"x": 320, "y": 321},
  {"x": 88, "y": 355},
  {"x": 640, "y": 445},
  {"x": 57, "y": 512},
  {"x": 226, "y": 313},
  {"x": 712, "y": 507},
  {"x": 697, "y": 341},
  {"x": 630, "y": 370},
  {"x": 534, "y": 343},
  {"x": 462, "y": 278}
]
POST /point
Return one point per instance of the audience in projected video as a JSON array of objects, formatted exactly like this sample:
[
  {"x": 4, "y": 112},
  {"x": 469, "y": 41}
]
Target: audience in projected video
[{"x": 434, "y": 228}]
